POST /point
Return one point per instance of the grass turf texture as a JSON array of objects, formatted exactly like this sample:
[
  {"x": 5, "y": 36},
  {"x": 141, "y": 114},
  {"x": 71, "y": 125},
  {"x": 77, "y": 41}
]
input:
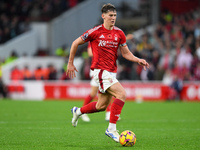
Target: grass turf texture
[{"x": 47, "y": 125}]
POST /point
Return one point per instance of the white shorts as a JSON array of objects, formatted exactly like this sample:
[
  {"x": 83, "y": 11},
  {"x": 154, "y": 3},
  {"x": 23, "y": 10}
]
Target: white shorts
[
  {"x": 104, "y": 79},
  {"x": 93, "y": 82}
]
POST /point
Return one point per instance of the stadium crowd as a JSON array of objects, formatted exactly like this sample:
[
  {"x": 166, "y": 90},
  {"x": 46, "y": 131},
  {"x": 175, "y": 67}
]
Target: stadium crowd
[
  {"x": 15, "y": 16},
  {"x": 173, "y": 49}
]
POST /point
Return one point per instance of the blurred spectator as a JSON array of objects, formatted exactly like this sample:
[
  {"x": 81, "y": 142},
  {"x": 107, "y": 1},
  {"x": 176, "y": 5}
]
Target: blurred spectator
[
  {"x": 178, "y": 45},
  {"x": 125, "y": 68},
  {"x": 16, "y": 74},
  {"x": 177, "y": 33},
  {"x": 143, "y": 75},
  {"x": 52, "y": 72},
  {"x": 198, "y": 49},
  {"x": 148, "y": 75},
  {"x": 45, "y": 73},
  {"x": 63, "y": 73},
  {"x": 35, "y": 12},
  {"x": 183, "y": 72},
  {"x": 123, "y": 72},
  {"x": 41, "y": 52},
  {"x": 167, "y": 57},
  {"x": 194, "y": 63},
  {"x": 155, "y": 58},
  {"x": 168, "y": 77},
  {"x": 159, "y": 73},
  {"x": 168, "y": 80},
  {"x": 144, "y": 48},
  {"x": 134, "y": 74},
  {"x": 85, "y": 69},
  {"x": 27, "y": 74},
  {"x": 62, "y": 51},
  {"x": 197, "y": 31},
  {"x": 64, "y": 76},
  {"x": 38, "y": 73},
  {"x": 177, "y": 85},
  {"x": 12, "y": 57},
  {"x": 197, "y": 72},
  {"x": 3, "y": 88},
  {"x": 185, "y": 57},
  {"x": 151, "y": 72},
  {"x": 14, "y": 27}
]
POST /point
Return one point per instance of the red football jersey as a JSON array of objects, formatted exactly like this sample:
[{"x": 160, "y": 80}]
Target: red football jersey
[{"x": 104, "y": 44}]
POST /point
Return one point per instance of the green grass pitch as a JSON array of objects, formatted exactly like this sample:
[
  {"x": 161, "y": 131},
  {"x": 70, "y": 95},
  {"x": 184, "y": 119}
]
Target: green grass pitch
[{"x": 46, "y": 125}]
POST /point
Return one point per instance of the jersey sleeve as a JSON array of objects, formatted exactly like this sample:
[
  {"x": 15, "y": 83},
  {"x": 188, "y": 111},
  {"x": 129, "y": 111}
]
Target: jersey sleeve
[
  {"x": 88, "y": 35},
  {"x": 123, "y": 39}
]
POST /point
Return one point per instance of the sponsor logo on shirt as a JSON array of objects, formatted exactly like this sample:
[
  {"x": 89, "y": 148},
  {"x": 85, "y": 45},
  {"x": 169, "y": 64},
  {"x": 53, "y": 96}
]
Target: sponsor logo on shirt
[
  {"x": 107, "y": 43},
  {"x": 102, "y": 43}
]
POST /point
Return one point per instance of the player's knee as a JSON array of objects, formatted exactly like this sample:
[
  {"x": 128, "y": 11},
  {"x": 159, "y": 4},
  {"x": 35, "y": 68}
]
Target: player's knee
[
  {"x": 122, "y": 96},
  {"x": 93, "y": 95}
]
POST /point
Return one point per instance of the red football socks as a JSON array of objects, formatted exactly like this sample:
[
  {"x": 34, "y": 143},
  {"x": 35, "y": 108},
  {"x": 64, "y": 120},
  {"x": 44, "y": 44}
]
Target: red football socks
[
  {"x": 87, "y": 100},
  {"x": 116, "y": 109},
  {"x": 108, "y": 108},
  {"x": 89, "y": 108}
]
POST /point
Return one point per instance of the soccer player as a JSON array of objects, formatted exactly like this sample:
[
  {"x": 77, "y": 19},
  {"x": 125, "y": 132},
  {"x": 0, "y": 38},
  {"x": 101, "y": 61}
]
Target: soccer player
[{"x": 105, "y": 39}]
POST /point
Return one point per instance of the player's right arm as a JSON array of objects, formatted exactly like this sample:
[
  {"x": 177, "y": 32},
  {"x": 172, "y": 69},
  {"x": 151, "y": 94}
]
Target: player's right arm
[{"x": 70, "y": 67}]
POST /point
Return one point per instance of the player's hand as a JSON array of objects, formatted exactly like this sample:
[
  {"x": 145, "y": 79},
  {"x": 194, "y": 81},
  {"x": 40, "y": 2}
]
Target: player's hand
[
  {"x": 143, "y": 63},
  {"x": 71, "y": 70}
]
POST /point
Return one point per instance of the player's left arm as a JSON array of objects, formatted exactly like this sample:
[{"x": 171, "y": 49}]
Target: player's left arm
[{"x": 129, "y": 56}]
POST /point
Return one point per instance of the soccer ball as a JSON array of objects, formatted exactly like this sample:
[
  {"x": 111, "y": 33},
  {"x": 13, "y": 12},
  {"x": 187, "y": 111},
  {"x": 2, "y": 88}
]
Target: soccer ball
[{"x": 127, "y": 138}]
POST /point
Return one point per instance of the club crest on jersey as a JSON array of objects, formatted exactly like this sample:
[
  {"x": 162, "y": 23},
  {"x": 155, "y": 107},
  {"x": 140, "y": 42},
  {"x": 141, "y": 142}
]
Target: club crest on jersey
[{"x": 115, "y": 37}]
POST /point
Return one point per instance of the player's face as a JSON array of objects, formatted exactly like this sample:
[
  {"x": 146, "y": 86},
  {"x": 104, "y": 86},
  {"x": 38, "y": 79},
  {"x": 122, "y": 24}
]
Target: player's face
[{"x": 110, "y": 17}]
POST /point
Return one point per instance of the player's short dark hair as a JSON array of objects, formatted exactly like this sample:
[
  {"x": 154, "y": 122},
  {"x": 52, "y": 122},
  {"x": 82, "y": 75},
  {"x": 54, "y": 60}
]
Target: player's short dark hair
[{"x": 107, "y": 7}]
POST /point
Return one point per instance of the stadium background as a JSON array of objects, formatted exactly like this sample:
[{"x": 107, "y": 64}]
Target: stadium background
[
  {"x": 39, "y": 38},
  {"x": 36, "y": 97}
]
